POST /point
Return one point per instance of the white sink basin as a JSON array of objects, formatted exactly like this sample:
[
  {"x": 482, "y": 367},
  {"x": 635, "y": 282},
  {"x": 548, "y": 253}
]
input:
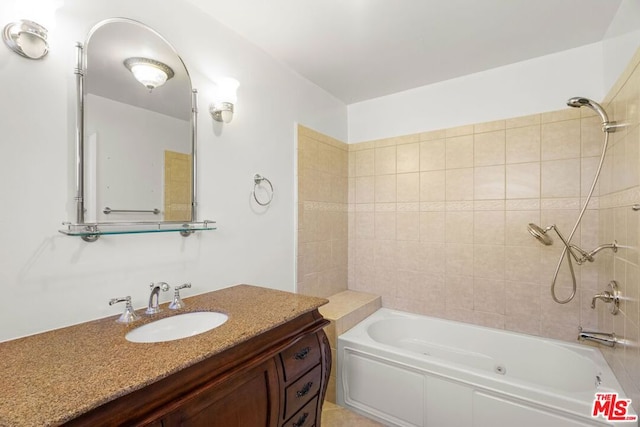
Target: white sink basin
[{"x": 176, "y": 327}]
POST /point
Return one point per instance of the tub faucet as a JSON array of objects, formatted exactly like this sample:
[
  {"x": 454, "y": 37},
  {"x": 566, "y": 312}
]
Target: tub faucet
[
  {"x": 604, "y": 338},
  {"x": 154, "y": 306}
]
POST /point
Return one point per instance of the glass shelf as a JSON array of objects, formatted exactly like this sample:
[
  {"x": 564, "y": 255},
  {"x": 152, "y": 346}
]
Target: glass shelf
[{"x": 91, "y": 231}]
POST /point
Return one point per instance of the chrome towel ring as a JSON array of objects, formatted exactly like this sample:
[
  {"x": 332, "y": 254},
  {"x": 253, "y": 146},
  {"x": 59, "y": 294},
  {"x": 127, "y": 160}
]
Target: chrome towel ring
[{"x": 258, "y": 179}]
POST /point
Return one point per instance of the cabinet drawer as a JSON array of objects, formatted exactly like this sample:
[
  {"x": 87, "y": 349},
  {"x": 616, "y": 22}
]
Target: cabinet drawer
[
  {"x": 305, "y": 417},
  {"x": 300, "y": 357},
  {"x": 299, "y": 393}
]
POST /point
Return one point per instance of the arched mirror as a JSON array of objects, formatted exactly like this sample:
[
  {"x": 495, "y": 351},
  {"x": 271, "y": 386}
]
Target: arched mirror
[{"x": 136, "y": 133}]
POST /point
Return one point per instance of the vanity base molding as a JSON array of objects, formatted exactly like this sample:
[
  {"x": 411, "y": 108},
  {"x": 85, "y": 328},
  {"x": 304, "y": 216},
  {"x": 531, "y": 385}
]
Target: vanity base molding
[{"x": 278, "y": 378}]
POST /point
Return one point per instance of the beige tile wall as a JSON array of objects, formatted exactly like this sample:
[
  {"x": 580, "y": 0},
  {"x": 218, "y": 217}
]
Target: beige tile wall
[
  {"x": 620, "y": 190},
  {"x": 322, "y": 214},
  {"x": 438, "y": 221}
]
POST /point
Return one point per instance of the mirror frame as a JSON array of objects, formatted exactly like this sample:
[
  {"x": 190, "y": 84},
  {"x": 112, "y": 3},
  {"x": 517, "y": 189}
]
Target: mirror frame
[{"x": 92, "y": 231}]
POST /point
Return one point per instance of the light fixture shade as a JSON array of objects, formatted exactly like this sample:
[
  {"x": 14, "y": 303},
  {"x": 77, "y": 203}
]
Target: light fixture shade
[
  {"x": 149, "y": 72},
  {"x": 227, "y": 90},
  {"x": 227, "y": 115},
  {"x": 222, "y": 111},
  {"x": 222, "y": 107},
  {"x": 26, "y": 38}
]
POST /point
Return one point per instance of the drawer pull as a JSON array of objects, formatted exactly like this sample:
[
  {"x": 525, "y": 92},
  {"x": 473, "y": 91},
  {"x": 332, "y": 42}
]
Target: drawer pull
[
  {"x": 302, "y": 354},
  {"x": 301, "y": 420},
  {"x": 304, "y": 390}
]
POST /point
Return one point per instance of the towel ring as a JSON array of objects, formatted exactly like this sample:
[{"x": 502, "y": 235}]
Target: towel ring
[{"x": 257, "y": 179}]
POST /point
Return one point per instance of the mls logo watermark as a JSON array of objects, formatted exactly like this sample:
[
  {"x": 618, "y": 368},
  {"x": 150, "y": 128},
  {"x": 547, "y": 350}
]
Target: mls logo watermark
[{"x": 611, "y": 408}]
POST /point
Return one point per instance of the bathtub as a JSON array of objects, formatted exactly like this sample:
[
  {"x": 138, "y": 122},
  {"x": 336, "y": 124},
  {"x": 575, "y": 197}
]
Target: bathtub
[{"x": 410, "y": 370}]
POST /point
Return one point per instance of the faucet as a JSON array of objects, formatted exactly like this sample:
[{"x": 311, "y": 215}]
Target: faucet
[
  {"x": 154, "y": 307},
  {"x": 609, "y": 296},
  {"x": 608, "y": 339},
  {"x": 177, "y": 302},
  {"x": 129, "y": 315}
]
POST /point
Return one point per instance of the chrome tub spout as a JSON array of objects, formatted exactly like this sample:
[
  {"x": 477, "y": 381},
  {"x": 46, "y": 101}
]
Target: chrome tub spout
[{"x": 604, "y": 338}]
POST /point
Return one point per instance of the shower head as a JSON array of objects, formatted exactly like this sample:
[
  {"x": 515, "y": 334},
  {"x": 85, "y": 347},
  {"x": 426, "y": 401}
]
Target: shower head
[
  {"x": 540, "y": 234},
  {"x": 578, "y": 102}
]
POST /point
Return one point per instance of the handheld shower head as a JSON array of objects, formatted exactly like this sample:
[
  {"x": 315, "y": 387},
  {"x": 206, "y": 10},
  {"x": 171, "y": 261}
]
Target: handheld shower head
[
  {"x": 579, "y": 101},
  {"x": 540, "y": 234}
]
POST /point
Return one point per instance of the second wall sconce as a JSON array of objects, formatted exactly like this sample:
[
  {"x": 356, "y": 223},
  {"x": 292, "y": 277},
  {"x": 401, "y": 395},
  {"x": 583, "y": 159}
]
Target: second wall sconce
[
  {"x": 26, "y": 38},
  {"x": 225, "y": 98}
]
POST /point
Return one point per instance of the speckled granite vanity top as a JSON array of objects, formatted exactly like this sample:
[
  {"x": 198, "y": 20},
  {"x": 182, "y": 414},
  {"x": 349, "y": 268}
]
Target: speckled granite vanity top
[{"x": 49, "y": 378}]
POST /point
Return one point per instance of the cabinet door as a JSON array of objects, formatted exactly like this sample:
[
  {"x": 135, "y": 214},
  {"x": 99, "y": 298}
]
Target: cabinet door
[{"x": 249, "y": 399}]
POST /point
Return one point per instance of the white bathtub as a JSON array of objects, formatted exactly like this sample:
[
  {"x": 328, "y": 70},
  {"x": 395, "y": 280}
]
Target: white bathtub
[{"x": 409, "y": 370}]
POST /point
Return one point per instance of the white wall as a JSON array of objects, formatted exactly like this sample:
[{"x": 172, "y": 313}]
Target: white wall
[
  {"x": 527, "y": 87},
  {"x": 49, "y": 280},
  {"x": 130, "y": 146},
  {"x": 621, "y": 41}
]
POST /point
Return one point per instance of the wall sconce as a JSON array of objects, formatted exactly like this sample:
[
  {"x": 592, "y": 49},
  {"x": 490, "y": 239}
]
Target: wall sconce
[
  {"x": 26, "y": 38},
  {"x": 222, "y": 107},
  {"x": 149, "y": 72}
]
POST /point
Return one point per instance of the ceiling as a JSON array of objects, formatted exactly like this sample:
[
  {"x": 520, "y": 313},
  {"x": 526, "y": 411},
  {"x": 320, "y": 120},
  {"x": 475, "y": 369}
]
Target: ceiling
[
  {"x": 363, "y": 49},
  {"x": 113, "y": 42}
]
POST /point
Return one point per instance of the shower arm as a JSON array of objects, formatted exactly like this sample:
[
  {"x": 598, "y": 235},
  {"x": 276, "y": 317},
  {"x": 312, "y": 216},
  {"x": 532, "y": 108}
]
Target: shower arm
[
  {"x": 613, "y": 246},
  {"x": 586, "y": 256},
  {"x": 569, "y": 246}
]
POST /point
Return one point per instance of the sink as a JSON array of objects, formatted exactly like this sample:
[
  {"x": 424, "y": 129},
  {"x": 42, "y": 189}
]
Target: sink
[{"x": 177, "y": 327}]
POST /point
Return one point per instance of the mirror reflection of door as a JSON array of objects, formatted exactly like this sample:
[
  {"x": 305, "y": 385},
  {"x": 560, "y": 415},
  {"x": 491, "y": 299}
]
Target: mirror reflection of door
[
  {"x": 177, "y": 186},
  {"x": 133, "y": 127}
]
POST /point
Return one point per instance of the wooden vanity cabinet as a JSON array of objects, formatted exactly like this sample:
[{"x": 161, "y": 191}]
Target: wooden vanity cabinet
[
  {"x": 302, "y": 379},
  {"x": 246, "y": 399},
  {"x": 278, "y": 378}
]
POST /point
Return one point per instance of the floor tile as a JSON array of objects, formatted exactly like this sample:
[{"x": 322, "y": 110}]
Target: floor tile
[{"x": 337, "y": 416}]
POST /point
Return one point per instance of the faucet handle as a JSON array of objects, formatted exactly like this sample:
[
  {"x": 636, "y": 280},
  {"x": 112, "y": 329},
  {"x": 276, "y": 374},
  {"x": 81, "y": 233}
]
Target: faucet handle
[
  {"x": 185, "y": 285},
  {"x": 164, "y": 286},
  {"x": 609, "y": 296},
  {"x": 177, "y": 302},
  {"x": 129, "y": 315},
  {"x": 605, "y": 296}
]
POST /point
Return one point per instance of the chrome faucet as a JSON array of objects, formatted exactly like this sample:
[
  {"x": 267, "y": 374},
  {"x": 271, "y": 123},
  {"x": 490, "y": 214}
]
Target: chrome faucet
[
  {"x": 610, "y": 296},
  {"x": 177, "y": 302},
  {"x": 129, "y": 315},
  {"x": 604, "y": 338},
  {"x": 154, "y": 298}
]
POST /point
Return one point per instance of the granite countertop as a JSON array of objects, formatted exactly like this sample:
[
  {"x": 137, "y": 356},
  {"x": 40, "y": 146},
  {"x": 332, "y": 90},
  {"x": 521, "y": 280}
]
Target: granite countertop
[{"x": 52, "y": 377}]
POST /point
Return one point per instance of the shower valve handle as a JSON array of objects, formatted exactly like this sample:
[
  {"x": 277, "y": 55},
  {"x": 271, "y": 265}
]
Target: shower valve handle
[
  {"x": 605, "y": 296},
  {"x": 609, "y": 296}
]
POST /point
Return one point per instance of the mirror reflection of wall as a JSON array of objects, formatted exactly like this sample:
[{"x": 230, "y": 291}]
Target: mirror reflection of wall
[
  {"x": 129, "y": 128},
  {"x": 128, "y": 156}
]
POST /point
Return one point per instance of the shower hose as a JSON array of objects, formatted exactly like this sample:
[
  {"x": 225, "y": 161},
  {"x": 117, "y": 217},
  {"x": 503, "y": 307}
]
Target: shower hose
[{"x": 575, "y": 227}]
